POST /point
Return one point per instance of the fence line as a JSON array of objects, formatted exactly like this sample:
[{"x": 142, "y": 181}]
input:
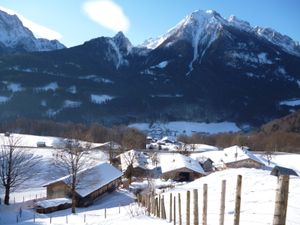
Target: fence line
[{"x": 181, "y": 202}]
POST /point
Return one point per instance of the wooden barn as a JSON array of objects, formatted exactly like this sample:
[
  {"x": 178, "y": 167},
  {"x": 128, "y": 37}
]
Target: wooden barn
[
  {"x": 237, "y": 157},
  {"x": 179, "y": 167},
  {"x": 93, "y": 182}
]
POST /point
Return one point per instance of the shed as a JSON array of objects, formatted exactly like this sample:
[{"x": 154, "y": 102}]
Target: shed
[
  {"x": 179, "y": 167},
  {"x": 279, "y": 170},
  {"x": 52, "y": 205},
  {"x": 237, "y": 157},
  {"x": 93, "y": 182}
]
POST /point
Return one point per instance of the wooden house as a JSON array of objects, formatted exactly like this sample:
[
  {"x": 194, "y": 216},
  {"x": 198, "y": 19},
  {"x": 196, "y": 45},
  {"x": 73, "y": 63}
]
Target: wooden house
[
  {"x": 93, "y": 182},
  {"x": 179, "y": 167},
  {"x": 237, "y": 157}
]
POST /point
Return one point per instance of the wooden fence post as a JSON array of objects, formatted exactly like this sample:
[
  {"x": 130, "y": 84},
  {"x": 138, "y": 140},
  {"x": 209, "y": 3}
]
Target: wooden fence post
[
  {"x": 174, "y": 211},
  {"x": 104, "y": 213},
  {"x": 163, "y": 209},
  {"x": 204, "y": 212},
  {"x": 238, "y": 200},
  {"x": 156, "y": 207},
  {"x": 179, "y": 209},
  {"x": 188, "y": 202},
  {"x": 171, "y": 208},
  {"x": 196, "y": 209},
  {"x": 281, "y": 201},
  {"x": 222, "y": 208}
]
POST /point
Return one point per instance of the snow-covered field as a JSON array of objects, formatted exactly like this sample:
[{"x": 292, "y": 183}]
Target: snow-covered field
[
  {"x": 257, "y": 204},
  {"x": 187, "y": 128}
]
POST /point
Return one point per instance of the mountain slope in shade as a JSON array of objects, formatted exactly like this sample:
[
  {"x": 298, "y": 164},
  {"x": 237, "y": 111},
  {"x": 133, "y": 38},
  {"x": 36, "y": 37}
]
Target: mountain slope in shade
[
  {"x": 15, "y": 37},
  {"x": 205, "y": 69}
]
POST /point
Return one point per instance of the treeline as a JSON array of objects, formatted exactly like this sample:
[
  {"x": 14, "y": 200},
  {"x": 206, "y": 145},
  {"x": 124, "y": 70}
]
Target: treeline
[
  {"x": 280, "y": 141},
  {"x": 128, "y": 137}
]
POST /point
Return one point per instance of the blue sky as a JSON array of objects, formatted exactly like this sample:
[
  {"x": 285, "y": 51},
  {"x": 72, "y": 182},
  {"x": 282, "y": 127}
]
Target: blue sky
[{"x": 76, "y": 21}]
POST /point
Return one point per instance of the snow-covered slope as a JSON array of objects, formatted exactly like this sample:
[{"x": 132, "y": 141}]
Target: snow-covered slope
[{"x": 14, "y": 35}]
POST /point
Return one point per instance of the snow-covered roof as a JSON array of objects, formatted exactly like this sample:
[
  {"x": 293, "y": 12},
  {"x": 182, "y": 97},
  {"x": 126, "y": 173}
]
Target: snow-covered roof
[
  {"x": 236, "y": 153},
  {"x": 200, "y": 147},
  {"x": 171, "y": 162},
  {"x": 53, "y": 202},
  {"x": 136, "y": 158},
  {"x": 215, "y": 156},
  {"x": 93, "y": 178}
]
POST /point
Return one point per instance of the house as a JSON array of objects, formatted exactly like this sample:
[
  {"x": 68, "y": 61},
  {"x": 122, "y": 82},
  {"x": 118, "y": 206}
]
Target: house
[
  {"x": 237, "y": 157},
  {"x": 279, "y": 170},
  {"x": 179, "y": 167},
  {"x": 206, "y": 163},
  {"x": 134, "y": 162},
  {"x": 93, "y": 182}
]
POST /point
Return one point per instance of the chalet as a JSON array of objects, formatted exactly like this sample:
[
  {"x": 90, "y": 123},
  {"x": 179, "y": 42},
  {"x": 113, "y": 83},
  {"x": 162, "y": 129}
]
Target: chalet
[
  {"x": 135, "y": 161},
  {"x": 237, "y": 157},
  {"x": 279, "y": 170},
  {"x": 93, "y": 182},
  {"x": 179, "y": 167}
]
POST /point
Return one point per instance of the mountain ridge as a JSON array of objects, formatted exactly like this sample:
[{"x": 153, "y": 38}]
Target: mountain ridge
[
  {"x": 15, "y": 37},
  {"x": 204, "y": 72}
]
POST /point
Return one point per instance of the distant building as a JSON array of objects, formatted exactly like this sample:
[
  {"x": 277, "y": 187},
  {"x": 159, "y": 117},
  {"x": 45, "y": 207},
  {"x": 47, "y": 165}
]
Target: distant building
[
  {"x": 279, "y": 170},
  {"x": 179, "y": 167},
  {"x": 237, "y": 157},
  {"x": 93, "y": 182},
  {"x": 41, "y": 144},
  {"x": 134, "y": 162},
  {"x": 207, "y": 164}
]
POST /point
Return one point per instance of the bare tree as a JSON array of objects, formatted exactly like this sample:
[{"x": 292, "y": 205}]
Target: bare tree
[
  {"x": 16, "y": 165},
  {"x": 127, "y": 160},
  {"x": 269, "y": 156},
  {"x": 71, "y": 161}
]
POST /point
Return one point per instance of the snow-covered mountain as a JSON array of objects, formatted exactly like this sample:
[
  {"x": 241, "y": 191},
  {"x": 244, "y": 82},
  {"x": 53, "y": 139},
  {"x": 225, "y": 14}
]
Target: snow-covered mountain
[
  {"x": 15, "y": 37},
  {"x": 202, "y": 28},
  {"x": 205, "y": 69}
]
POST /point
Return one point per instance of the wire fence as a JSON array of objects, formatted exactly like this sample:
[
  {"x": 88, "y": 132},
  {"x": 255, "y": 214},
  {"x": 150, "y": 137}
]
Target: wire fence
[{"x": 197, "y": 207}]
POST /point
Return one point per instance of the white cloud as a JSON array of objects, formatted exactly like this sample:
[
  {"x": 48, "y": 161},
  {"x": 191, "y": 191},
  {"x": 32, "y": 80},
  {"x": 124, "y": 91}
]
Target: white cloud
[
  {"x": 37, "y": 29},
  {"x": 108, "y": 14}
]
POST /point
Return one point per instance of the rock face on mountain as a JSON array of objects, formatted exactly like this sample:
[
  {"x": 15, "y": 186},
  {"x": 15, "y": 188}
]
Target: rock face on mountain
[
  {"x": 206, "y": 68},
  {"x": 14, "y": 37}
]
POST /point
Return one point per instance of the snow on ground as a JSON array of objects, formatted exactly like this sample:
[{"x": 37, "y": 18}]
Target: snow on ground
[
  {"x": 161, "y": 65},
  {"x": 51, "y": 86},
  {"x": 292, "y": 102},
  {"x": 72, "y": 89},
  {"x": 96, "y": 78},
  {"x": 71, "y": 104},
  {"x": 100, "y": 99},
  {"x": 188, "y": 128},
  {"x": 3, "y": 99},
  {"x": 257, "y": 201},
  {"x": 14, "y": 87}
]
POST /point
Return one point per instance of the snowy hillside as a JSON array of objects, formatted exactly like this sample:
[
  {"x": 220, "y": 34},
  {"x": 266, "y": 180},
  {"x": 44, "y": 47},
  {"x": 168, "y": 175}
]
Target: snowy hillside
[{"x": 257, "y": 206}]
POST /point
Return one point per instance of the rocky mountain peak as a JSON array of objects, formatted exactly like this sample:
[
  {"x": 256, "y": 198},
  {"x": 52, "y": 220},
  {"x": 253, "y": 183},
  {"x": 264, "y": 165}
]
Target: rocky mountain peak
[{"x": 14, "y": 36}]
